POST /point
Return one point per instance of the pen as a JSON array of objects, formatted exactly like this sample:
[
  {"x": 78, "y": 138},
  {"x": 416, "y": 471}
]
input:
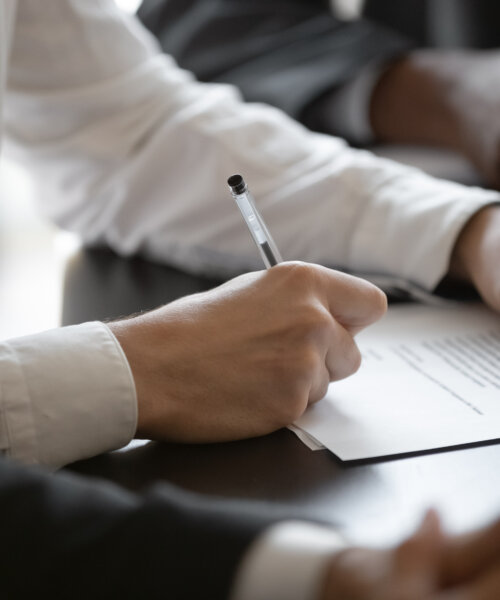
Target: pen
[{"x": 260, "y": 234}]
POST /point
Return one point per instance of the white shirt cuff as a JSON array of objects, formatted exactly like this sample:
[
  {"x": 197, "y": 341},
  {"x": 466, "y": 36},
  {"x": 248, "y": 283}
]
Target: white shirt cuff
[
  {"x": 287, "y": 562},
  {"x": 66, "y": 394},
  {"x": 415, "y": 244}
]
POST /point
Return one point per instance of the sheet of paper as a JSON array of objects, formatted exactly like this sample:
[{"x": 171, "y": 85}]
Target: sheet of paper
[
  {"x": 430, "y": 378},
  {"x": 306, "y": 439}
]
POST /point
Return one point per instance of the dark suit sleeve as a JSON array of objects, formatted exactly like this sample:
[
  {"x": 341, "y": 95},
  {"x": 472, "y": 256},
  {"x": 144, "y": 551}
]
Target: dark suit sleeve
[
  {"x": 66, "y": 537},
  {"x": 283, "y": 52},
  {"x": 411, "y": 17},
  {"x": 441, "y": 23}
]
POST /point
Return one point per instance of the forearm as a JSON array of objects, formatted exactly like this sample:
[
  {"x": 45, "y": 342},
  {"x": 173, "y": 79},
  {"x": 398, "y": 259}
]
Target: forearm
[{"x": 78, "y": 538}]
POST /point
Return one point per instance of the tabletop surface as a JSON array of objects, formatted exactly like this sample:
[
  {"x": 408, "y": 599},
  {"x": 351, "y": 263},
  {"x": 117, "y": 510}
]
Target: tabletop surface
[{"x": 370, "y": 502}]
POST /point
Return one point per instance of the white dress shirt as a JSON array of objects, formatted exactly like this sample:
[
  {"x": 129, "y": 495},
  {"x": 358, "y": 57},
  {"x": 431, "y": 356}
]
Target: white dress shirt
[
  {"x": 65, "y": 394},
  {"x": 129, "y": 150}
]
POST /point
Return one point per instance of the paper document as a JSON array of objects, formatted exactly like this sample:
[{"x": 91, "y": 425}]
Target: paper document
[{"x": 430, "y": 378}]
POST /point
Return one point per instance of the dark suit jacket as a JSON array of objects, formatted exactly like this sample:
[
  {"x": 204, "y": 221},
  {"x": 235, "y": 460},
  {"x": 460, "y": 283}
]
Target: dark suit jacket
[
  {"x": 283, "y": 52},
  {"x": 441, "y": 23},
  {"x": 62, "y": 536},
  {"x": 288, "y": 52}
]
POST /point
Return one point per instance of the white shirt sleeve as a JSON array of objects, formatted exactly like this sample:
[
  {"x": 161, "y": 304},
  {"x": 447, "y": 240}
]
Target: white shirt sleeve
[
  {"x": 131, "y": 151},
  {"x": 65, "y": 394},
  {"x": 287, "y": 562}
]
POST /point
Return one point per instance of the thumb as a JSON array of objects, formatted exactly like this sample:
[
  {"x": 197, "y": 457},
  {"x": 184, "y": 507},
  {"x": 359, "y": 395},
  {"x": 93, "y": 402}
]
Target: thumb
[
  {"x": 418, "y": 559},
  {"x": 355, "y": 303}
]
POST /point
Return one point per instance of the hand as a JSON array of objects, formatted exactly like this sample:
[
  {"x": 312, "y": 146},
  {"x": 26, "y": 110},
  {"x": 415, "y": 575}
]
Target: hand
[
  {"x": 427, "y": 566},
  {"x": 475, "y": 258},
  {"x": 474, "y": 96},
  {"x": 248, "y": 357},
  {"x": 446, "y": 98}
]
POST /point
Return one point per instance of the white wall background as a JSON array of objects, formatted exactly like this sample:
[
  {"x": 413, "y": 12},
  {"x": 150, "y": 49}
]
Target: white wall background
[{"x": 32, "y": 253}]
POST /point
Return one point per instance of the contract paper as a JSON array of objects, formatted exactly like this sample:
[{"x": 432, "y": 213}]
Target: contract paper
[{"x": 430, "y": 378}]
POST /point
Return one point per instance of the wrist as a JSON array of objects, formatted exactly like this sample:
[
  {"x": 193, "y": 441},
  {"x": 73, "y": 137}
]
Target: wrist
[
  {"x": 136, "y": 341},
  {"x": 469, "y": 261},
  {"x": 302, "y": 550}
]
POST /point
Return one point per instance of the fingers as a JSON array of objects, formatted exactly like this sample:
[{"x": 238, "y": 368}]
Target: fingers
[
  {"x": 468, "y": 555},
  {"x": 342, "y": 360},
  {"x": 317, "y": 311},
  {"x": 408, "y": 572},
  {"x": 337, "y": 307},
  {"x": 336, "y": 356},
  {"x": 319, "y": 386},
  {"x": 418, "y": 559},
  {"x": 353, "y": 302},
  {"x": 485, "y": 587},
  {"x": 343, "y": 357}
]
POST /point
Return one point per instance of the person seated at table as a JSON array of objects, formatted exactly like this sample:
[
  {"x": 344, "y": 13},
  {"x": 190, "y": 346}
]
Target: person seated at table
[
  {"x": 131, "y": 152},
  {"x": 88, "y": 100},
  {"x": 367, "y": 81}
]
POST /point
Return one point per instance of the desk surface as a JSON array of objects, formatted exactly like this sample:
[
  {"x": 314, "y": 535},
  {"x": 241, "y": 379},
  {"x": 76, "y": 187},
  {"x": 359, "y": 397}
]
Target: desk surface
[{"x": 370, "y": 502}]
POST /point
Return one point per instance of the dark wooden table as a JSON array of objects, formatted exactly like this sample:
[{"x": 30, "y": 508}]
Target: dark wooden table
[{"x": 370, "y": 502}]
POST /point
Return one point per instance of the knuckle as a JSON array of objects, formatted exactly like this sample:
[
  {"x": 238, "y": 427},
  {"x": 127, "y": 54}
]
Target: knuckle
[
  {"x": 346, "y": 361},
  {"x": 303, "y": 365},
  {"x": 322, "y": 322},
  {"x": 293, "y": 406},
  {"x": 311, "y": 360},
  {"x": 314, "y": 323},
  {"x": 302, "y": 274},
  {"x": 294, "y": 377},
  {"x": 320, "y": 390}
]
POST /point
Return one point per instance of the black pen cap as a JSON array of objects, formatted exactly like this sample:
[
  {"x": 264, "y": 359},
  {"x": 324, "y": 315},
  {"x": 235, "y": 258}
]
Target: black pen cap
[{"x": 237, "y": 184}]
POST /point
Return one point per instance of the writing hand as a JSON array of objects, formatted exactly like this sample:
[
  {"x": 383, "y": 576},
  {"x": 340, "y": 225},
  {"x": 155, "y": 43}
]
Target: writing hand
[{"x": 248, "y": 357}]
